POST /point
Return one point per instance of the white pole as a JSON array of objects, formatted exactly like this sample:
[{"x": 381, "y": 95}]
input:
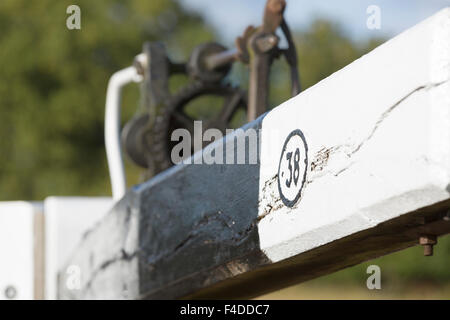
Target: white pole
[{"x": 112, "y": 128}]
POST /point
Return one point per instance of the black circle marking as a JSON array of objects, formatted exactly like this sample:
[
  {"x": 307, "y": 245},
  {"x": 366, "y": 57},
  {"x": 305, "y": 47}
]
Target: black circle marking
[
  {"x": 10, "y": 292},
  {"x": 287, "y": 202}
]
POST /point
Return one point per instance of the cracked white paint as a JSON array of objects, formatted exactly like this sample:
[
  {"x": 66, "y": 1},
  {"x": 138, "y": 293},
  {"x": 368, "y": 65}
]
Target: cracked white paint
[
  {"x": 111, "y": 266},
  {"x": 378, "y": 135},
  {"x": 66, "y": 221}
]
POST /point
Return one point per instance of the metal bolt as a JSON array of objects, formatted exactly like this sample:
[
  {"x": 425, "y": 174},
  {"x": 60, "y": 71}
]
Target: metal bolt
[
  {"x": 266, "y": 42},
  {"x": 10, "y": 292},
  {"x": 140, "y": 63},
  {"x": 447, "y": 216},
  {"x": 428, "y": 241}
]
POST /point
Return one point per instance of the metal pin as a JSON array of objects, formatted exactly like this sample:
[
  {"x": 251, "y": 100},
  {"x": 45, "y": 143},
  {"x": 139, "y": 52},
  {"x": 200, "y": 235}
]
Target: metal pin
[{"x": 428, "y": 241}]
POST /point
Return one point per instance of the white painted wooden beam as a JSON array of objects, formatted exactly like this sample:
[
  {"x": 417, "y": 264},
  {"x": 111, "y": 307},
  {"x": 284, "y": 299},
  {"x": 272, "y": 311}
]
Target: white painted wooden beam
[
  {"x": 353, "y": 168},
  {"x": 21, "y": 247},
  {"x": 378, "y": 136},
  {"x": 66, "y": 221}
]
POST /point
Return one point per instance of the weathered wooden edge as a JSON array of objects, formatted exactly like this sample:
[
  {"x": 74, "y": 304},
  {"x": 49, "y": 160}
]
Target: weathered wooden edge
[{"x": 388, "y": 237}]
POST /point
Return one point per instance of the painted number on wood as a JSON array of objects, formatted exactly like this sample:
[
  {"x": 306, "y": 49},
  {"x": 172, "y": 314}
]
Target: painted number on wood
[{"x": 292, "y": 168}]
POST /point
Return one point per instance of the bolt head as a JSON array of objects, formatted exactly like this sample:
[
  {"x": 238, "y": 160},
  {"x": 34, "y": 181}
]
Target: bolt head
[
  {"x": 427, "y": 240},
  {"x": 447, "y": 216},
  {"x": 266, "y": 43}
]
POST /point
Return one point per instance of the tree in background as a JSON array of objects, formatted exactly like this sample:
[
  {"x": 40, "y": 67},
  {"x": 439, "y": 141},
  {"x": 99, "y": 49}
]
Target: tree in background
[{"x": 53, "y": 84}]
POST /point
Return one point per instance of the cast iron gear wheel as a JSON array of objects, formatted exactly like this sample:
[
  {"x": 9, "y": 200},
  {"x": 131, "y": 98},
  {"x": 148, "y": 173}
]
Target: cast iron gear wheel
[
  {"x": 174, "y": 117},
  {"x": 133, "y": 139}
]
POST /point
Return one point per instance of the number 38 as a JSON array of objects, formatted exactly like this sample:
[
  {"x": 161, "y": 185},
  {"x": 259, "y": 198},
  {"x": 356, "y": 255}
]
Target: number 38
[{"x": 293, "y": 174}]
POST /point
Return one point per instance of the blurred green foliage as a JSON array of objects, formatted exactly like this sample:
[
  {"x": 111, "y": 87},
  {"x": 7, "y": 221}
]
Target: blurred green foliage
[{"x": 53, "y": 84}]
